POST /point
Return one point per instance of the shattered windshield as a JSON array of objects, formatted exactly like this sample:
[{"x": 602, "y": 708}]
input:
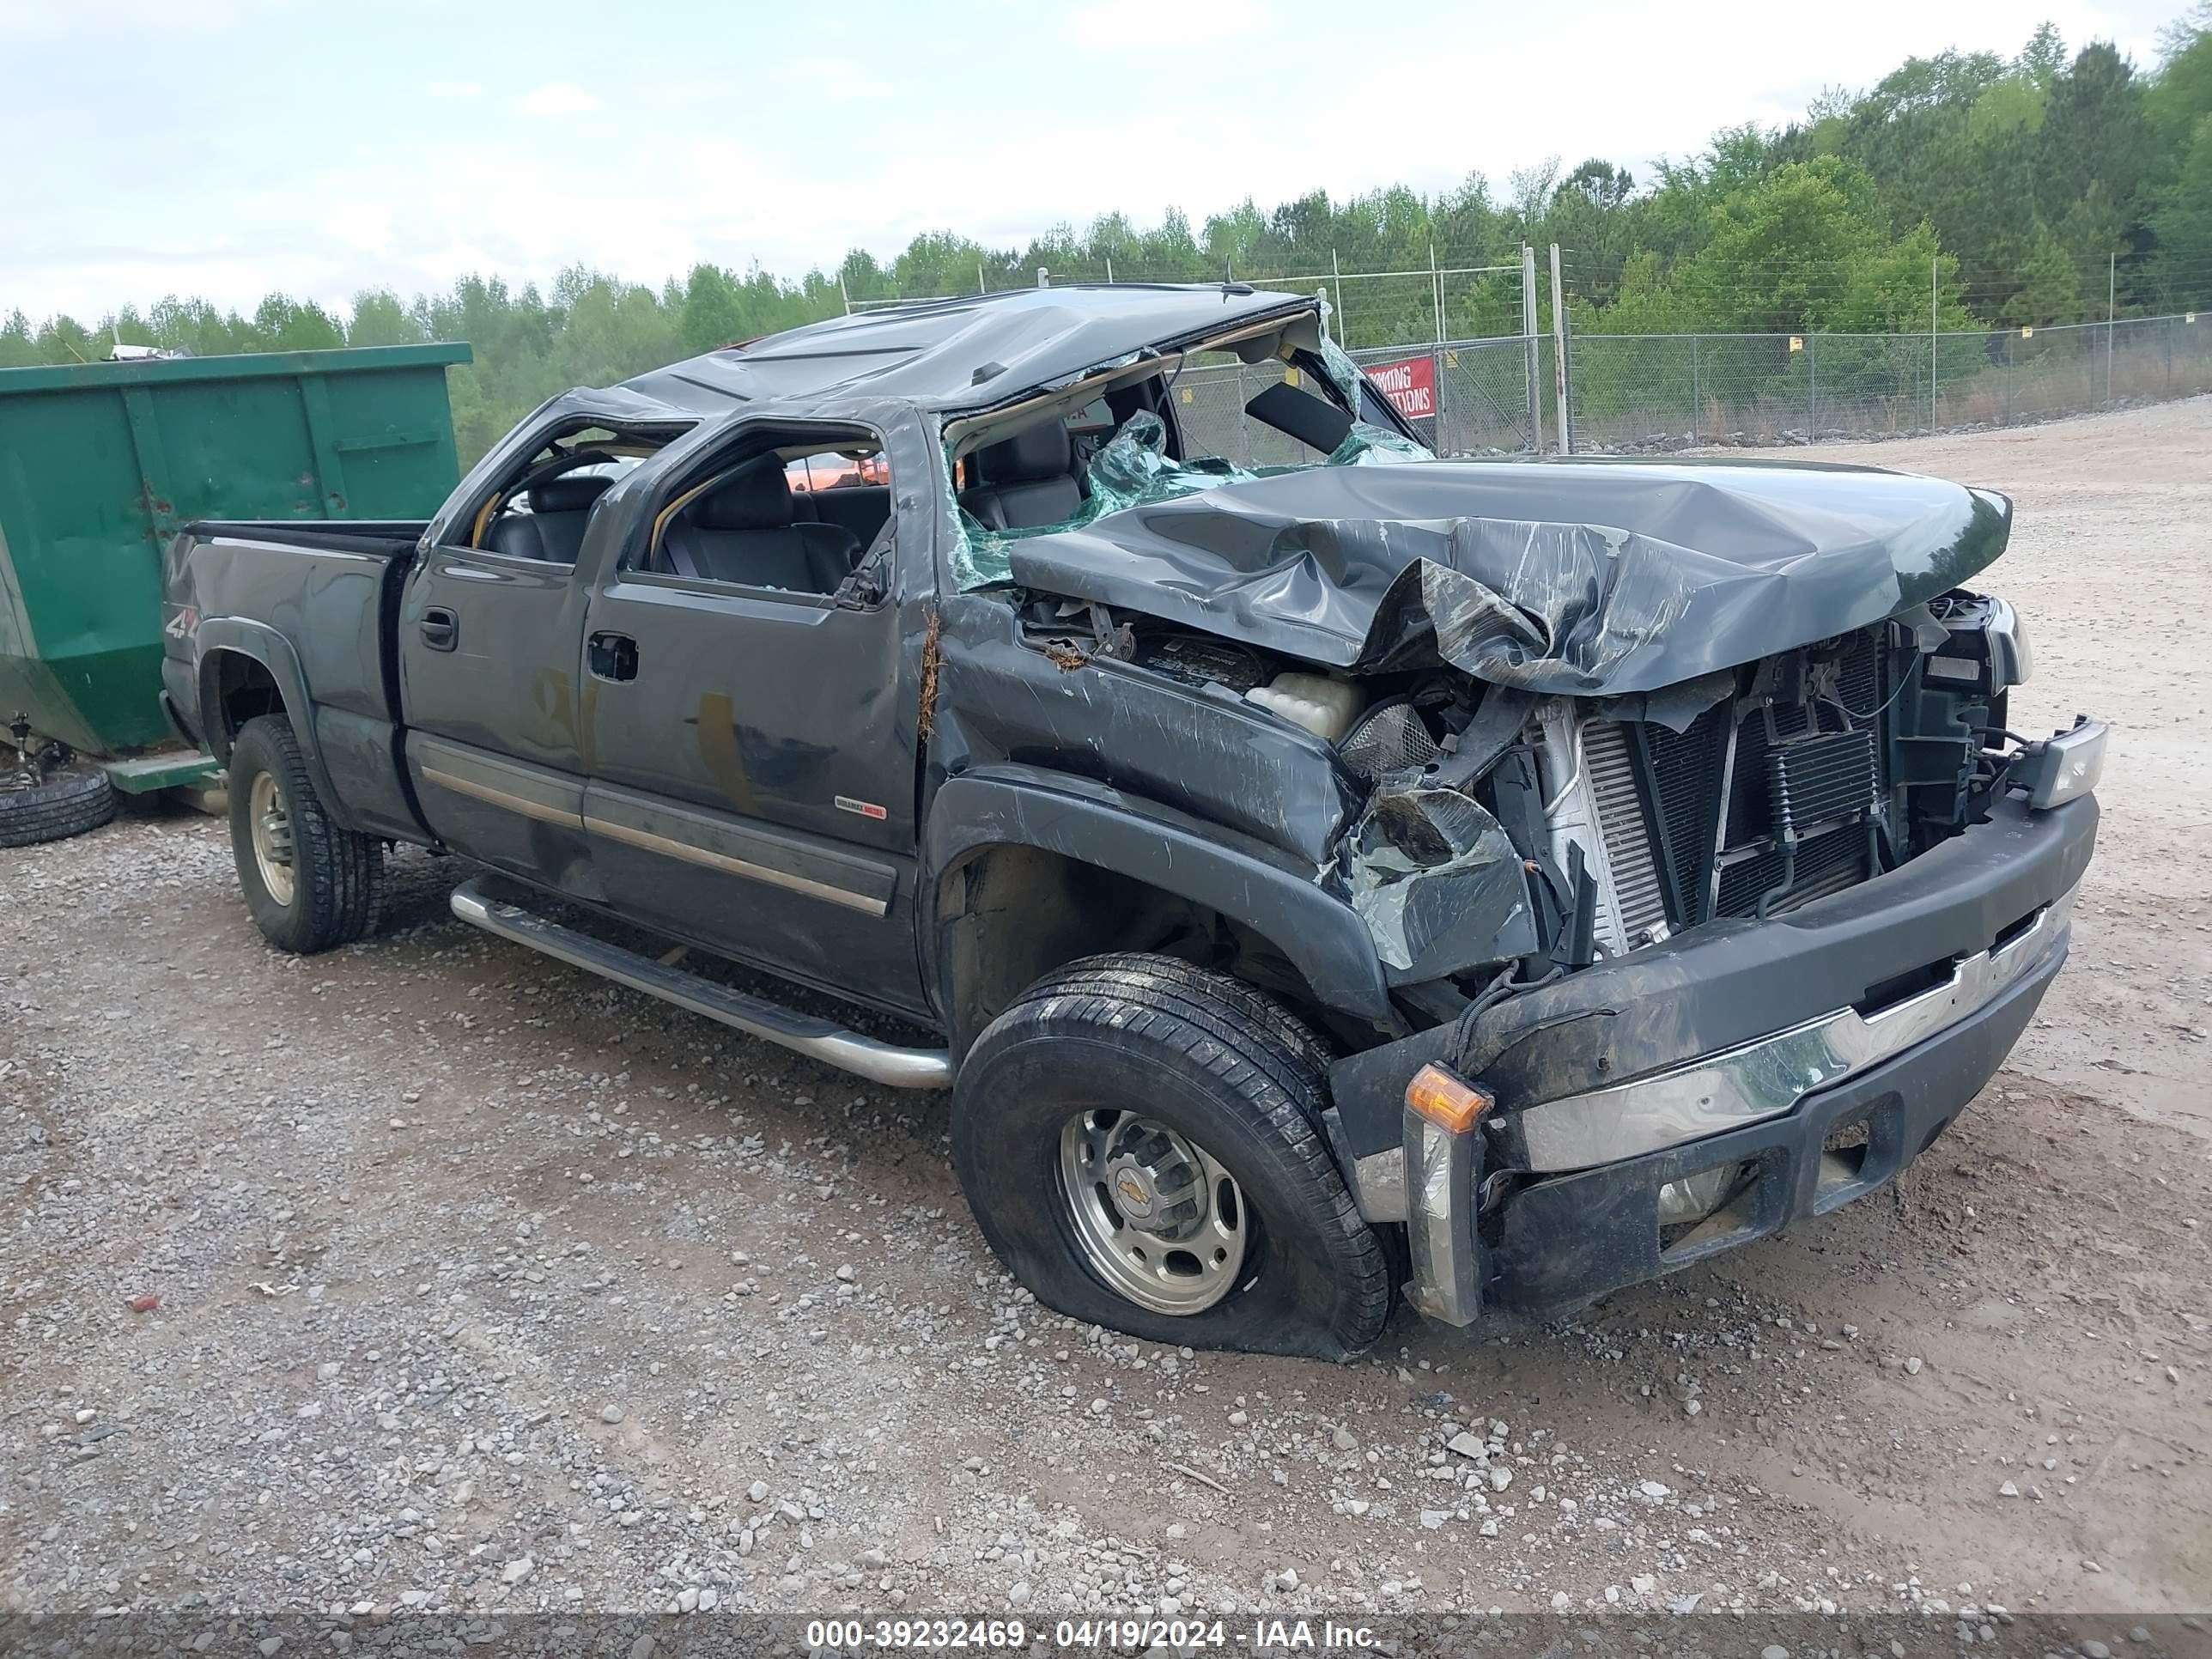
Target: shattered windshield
[{"x": 1132, "y": 469}]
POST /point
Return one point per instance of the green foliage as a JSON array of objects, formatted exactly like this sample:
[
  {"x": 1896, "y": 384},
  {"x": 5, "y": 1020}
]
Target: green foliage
[{"x": 2020, "y": 186}]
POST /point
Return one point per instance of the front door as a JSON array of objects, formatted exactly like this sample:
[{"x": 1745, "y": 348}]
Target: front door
[
  {"x": 753, "y": 761},
  {"x": 489, "y": 644}
]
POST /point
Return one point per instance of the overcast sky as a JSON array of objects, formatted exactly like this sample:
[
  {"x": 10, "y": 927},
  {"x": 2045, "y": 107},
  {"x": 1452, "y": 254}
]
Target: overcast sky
[{"x": 227, "y": 148}]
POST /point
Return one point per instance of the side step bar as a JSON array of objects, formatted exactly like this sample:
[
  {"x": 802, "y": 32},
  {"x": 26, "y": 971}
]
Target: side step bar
[{"x": 818, "y": 1039}]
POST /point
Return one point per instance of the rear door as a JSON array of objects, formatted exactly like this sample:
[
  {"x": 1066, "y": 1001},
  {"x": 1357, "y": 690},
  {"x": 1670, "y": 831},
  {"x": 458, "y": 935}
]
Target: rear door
[{"x": 753, "y": 765}]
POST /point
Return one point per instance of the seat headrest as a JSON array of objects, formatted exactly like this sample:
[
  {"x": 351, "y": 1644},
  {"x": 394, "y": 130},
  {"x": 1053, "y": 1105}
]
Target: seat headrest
[
  {"x": 756, "y": 497},
  {"x": 1041, "y": 451},
  {"x": 573, "y": 492}
]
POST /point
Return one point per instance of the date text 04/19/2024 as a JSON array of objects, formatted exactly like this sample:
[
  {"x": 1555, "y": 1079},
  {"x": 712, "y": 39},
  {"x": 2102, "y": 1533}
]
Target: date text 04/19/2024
[{"x": 1266, "y": 1635}]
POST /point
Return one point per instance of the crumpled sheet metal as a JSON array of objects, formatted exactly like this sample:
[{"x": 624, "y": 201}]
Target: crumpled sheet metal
[
  {"x": 1566, "y": 578},
  {"x": 1436, "y": 881}
]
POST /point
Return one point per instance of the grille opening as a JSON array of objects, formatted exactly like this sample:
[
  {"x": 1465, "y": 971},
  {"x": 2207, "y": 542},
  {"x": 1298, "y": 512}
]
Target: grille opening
[{"x": 1903, "y": 987}]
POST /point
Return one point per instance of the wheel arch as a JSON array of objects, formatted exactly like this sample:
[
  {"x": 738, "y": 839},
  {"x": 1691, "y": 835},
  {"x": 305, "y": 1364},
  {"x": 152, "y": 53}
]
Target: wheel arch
[
  {"x": 1026, "y": 869},
  {"x": 248, "y": 668}
]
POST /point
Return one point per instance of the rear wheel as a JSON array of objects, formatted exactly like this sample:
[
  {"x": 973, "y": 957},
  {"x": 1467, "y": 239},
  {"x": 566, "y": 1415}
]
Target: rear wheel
[
  {"x": 309, "y": 886},
  {"x": 1142, "y": 1143}
]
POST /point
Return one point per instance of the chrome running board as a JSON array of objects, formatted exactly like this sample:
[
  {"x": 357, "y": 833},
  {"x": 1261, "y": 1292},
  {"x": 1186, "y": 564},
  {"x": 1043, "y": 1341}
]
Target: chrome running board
[{"x": 817, "y": 1038}]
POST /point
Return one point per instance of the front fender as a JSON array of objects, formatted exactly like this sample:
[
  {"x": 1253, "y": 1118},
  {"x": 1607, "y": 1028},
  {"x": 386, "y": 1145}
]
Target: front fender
[{"x": 1241, "y": 878}]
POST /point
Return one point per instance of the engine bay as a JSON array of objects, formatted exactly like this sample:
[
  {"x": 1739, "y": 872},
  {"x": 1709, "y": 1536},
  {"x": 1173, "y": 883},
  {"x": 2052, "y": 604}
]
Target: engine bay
[{"x": 1496, "y": 837}]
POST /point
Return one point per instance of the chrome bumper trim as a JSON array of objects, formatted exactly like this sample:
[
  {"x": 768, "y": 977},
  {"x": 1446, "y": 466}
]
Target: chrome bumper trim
[{"x": 1767, "y": 1078}]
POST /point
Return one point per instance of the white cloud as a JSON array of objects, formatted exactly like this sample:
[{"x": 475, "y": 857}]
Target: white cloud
[
  {"x": 556, "y": 98},
  {"x": 1150, "y": 24},
  {"x": 454, "y": 88},
  {"x": 366, "y": 226},
  {"x": 839, "y": 79}
]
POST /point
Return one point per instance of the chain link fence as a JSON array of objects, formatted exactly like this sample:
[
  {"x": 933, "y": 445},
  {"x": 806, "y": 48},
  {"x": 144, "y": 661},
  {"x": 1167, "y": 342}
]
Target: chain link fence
[
  {"x": 1645, "y": 392},
  {"x": 1476, "y": 394}
]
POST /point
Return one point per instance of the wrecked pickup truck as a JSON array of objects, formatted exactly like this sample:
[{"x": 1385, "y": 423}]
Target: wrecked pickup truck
[{"x": 1505, "y": 880}]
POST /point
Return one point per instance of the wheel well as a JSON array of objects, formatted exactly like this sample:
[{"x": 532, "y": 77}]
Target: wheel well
[
  {"x": 236, "y": 688},
  {"x": 1008, "y": 915}
]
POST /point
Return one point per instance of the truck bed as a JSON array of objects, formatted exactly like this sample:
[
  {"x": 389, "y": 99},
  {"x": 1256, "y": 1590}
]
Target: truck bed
[{"x": 331, "y": 592}]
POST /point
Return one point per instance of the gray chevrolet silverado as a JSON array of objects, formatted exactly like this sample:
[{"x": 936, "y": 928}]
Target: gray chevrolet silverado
[{"x": 1506, "y": 881}]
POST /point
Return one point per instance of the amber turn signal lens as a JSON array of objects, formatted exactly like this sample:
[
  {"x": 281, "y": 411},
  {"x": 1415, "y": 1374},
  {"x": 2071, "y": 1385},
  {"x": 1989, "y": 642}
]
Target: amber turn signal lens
[{"x": 1446, "y": 1102}]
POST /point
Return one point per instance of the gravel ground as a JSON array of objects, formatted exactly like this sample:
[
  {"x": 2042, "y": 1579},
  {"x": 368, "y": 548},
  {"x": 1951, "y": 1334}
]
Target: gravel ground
[{"x": 484, "y": 1285}]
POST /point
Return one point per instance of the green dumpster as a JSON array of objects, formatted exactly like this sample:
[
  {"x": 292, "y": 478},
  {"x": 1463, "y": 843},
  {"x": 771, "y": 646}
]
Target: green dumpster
[{"x": 101, "y": 463}]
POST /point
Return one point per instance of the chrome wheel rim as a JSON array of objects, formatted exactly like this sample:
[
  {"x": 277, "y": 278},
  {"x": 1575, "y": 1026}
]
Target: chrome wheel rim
[
  {"x": 273, "y": 838},
  {"x": 1157, "y": 1217}
]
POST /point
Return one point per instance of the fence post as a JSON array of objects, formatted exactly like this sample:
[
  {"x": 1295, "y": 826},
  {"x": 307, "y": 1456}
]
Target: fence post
[
  {"x": 2111, "y": 299},
  {"x": 1697, "y": 393},
  {"x": 842, "y": 294},
  {"x": 1532, "y": 361},
  {"x": 1813, "y": 372},
  {"x": 1559, "y": 355},
  {"x": 1932, "y": 290},
  {"x": 1437, "y": 292},
  {"x": 1336, "y": 279}
]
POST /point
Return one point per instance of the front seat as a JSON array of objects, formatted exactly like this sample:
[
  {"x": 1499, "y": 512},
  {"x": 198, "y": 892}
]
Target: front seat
[
  {"x": 553, "y": 529},
  {"x": 747, "y": 530},
  {"x": 1025, "y": 480}
]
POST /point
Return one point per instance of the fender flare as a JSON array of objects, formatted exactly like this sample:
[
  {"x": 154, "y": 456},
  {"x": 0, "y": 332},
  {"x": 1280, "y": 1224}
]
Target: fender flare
[
  {"x": 1096, "y": 825},
  {"x": 264, "y": 645}
]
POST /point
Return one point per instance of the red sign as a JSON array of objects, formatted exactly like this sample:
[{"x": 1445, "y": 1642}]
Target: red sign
[{"x": 1409, "y": 384}]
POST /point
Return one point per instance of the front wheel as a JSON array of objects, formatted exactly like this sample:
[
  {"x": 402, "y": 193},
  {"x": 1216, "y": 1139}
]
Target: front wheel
[
  {"x": 309, "y": 885},
  {"x": 1140, "y": 1141}
]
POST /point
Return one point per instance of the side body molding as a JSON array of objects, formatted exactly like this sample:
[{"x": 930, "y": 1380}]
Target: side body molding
[{"x": 1243, "y": 878}]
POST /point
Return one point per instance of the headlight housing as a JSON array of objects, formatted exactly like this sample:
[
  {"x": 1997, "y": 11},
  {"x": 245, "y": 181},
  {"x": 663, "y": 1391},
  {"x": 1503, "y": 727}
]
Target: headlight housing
[{"x": 2064, "y": 768}]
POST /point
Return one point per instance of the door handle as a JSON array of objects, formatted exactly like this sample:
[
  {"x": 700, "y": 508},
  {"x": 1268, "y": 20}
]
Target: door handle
[
  {"x": 613, "y": 657},
  {"x": 442, "y": 629}
]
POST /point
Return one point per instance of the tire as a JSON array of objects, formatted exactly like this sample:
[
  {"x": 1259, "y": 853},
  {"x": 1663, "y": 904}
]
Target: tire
[
  {"x": 69, "y": 802},
  {"x": 335, "y": 875},
  {"x": 1149, "y": 1043}
]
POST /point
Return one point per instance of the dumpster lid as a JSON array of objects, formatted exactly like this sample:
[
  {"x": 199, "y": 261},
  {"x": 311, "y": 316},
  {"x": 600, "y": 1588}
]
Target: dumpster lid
[{"x": 235, "y": 366}]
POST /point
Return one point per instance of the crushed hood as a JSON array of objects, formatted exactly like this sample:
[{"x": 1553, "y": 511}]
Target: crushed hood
[{"x": 1577, "y": 578}]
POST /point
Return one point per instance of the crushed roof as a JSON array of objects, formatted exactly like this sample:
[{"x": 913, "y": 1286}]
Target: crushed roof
[{"x": 931, "y": 352}]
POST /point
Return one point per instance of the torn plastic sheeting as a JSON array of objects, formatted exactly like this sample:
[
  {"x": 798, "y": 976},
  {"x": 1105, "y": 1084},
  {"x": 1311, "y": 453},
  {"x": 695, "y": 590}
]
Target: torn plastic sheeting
[
  {"x": 1570, "y": 578},
  {"x": 1436, "y": 881}
]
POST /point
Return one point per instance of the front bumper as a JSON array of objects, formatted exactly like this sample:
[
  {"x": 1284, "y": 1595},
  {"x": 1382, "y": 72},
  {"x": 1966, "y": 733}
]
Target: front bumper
[
  {"x": 1563, "y": 1241},
  {"x": 1750, "y": 1029}
]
